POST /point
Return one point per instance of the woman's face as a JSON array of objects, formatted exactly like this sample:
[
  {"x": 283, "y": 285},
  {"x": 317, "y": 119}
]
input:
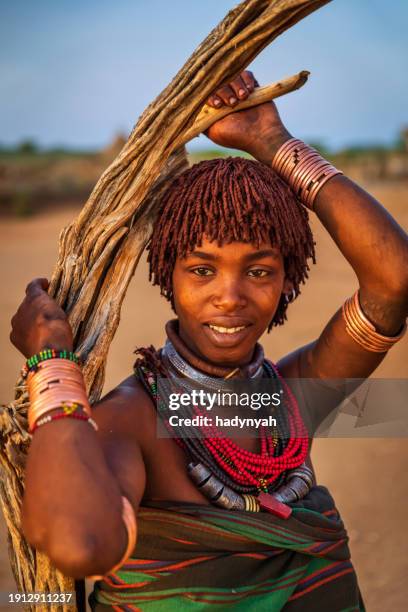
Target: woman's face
[{"x": 225, "y": 297}]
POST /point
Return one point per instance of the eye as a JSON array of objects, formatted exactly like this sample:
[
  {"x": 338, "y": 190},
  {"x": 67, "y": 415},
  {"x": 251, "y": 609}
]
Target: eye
[
  {"x": 202, "y": 271},
  {"x": 258, "y": 273}
]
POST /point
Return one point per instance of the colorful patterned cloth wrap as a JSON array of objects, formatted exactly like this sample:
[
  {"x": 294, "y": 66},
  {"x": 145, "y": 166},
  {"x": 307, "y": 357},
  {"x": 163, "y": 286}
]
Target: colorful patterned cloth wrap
[{"x": 192, "y": 557}]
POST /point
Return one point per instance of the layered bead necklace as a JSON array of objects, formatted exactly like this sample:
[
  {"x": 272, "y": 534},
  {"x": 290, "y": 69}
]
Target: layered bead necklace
[{"x": 218, "y": 464}]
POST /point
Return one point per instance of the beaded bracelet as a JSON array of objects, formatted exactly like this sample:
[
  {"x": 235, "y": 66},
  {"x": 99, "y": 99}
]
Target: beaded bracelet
[
  {"x": 63, "y": 415},
  {"x": 68, "y": 409},
  {"x": 32, "y": 362}
]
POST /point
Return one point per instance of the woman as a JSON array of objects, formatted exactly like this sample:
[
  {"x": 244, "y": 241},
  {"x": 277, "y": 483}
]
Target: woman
[{"x": 230, "y": 249}]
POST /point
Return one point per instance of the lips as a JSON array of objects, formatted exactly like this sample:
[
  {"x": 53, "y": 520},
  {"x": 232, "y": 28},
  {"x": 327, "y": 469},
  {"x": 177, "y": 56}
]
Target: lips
[
  {"x": 227, "y": 332},
  {"x": 228, "y": 322}
]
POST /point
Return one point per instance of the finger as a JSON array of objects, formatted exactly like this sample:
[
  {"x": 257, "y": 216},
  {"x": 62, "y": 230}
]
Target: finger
[
  {"x": 215, "y": 101},
  {"x": 240, "y": 89},
  {"x": 227, "y": 95},
  {"x": 19, "y": 311},
  {"x": 14, "y": 320},
  {"x": 37, "y": 286},
  {"x": 249, "y": 80}
]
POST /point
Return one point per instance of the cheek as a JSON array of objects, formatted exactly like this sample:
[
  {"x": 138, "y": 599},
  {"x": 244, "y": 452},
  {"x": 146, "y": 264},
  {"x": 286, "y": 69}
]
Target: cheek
[
  {"x": 267, "y": 297},
  {"x": 184, "y": 295},
  {"x": 183, "y": 300},
  {"x": 270, "y": 290}
]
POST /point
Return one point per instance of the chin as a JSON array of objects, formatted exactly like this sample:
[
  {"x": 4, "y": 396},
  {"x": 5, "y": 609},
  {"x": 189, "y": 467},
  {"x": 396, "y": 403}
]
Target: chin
[
  {"x": 225, "y": 349},
  {"x": 228, "y": 358}
]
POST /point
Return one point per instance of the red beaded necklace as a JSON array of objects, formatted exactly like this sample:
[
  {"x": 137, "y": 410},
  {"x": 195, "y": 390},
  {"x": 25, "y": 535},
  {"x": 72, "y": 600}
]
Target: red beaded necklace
[
  {"x": 260, "y": 469},
  {"x": 247, "y": 468}
]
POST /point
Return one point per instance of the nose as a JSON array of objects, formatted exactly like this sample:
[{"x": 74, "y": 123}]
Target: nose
[{"x": 229, "y": 295}]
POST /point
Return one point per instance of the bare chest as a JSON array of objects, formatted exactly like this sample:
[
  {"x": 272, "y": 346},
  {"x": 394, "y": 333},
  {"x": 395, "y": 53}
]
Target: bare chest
[{"x": 166, "y": 470}]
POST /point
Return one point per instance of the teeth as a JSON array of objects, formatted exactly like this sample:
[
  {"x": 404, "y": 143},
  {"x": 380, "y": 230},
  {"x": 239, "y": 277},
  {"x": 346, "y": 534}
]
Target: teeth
[{"x": 226, "y": 330}]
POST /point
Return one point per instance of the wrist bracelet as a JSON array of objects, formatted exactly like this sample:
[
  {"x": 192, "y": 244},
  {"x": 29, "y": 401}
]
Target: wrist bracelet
[
  {"x": 63, "y": 415},
  {"x": 304, "y": 169},
  {"x": 55, "y": 383},
  {"x": 33, "y": 361},
  {"x": 363, "y": 331}
]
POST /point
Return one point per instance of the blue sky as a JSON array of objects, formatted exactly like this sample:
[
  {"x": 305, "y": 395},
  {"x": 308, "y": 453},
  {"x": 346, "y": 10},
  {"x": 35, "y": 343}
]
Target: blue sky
[{"x": 75, "y": 72}]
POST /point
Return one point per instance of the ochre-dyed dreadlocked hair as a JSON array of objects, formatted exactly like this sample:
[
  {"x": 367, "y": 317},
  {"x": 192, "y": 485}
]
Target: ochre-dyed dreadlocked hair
[{"x": 229, "y": 200}]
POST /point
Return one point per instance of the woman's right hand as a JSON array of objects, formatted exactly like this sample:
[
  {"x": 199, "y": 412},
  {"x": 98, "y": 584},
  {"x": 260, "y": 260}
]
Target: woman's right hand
[{"x": 39, "y": 322}]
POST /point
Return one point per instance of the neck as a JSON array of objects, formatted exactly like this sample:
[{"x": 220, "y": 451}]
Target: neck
[{"x": 212, "y": 369}]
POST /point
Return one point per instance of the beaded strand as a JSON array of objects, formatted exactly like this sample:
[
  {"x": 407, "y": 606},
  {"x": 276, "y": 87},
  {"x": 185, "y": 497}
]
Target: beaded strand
[
  {"x": 63, "y": 415},
  {"x": 44, "y": 355},
  {"x": 242, "y": 470}
]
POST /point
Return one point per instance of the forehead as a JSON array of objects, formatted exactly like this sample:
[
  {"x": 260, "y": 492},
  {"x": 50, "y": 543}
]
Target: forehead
[{"x": 235, "y": 250}]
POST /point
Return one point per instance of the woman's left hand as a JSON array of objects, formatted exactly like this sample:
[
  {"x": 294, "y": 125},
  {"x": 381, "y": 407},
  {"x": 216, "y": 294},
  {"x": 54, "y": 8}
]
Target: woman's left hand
[{"x": 257, "y": 130}]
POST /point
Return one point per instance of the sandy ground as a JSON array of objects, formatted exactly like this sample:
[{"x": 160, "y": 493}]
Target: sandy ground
[{"x": 367, "y": 477}]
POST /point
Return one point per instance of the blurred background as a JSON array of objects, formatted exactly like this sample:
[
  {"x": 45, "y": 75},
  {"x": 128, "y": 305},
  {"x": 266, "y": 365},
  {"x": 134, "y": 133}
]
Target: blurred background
[{"x": 74, "y": 77}]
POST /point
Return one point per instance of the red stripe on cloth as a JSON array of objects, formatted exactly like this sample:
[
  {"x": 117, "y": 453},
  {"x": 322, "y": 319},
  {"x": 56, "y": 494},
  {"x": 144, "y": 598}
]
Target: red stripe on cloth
[
  {"x": 140, "y": 561},
  {"x": 199, "y": 527},
  {"x": 186, "y": 563},
  {"x": 324, "y": 550},
  {"x": 275, "y": 529},
  {"x": 180, "y": 540},
  {"x": 326, "y": 568},
  {"x": 251, "y": 555},
  {"x": 258, "y": 590},
  {"x": 323, "y": 581},
  {"x": 124, "y": 585},
  {"x": 331, "y": 512},
  {"x": 121, "y": 584}
]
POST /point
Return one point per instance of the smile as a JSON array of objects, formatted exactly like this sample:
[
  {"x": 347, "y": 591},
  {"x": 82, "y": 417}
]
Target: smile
[
  {"x": 226, "y": 330},
  {"x": 227, "y": 336}
]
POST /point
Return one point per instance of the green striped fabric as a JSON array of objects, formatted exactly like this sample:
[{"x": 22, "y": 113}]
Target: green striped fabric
[{"x": 193, "y": 557}]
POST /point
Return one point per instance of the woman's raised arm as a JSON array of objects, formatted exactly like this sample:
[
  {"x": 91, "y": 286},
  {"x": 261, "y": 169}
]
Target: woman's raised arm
[{"x": 370, "y": 239}]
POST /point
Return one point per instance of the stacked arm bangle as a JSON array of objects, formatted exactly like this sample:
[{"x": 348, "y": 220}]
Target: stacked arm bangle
[
  {"x": 304, "y": 169},
  {"x": 363, "y": 331},
  {"x": 56, "y": 383}
]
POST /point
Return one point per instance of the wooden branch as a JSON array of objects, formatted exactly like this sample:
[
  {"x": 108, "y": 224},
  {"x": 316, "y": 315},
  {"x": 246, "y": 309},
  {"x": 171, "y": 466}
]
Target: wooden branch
[
  {"x": 99, "y": 251},
  {"x": 208, "y": 115}
]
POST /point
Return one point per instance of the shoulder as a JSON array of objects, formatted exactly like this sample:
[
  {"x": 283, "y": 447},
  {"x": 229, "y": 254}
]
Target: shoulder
[
  {"x": 124, "y": 416},
  {"x": 290, "y": 365},
  {"x": 126, "y": 411}
]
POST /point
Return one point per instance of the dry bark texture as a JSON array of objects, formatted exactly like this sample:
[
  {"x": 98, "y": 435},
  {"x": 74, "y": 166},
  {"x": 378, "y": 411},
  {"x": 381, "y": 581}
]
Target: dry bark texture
[{"x": 99, "y": 251}]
